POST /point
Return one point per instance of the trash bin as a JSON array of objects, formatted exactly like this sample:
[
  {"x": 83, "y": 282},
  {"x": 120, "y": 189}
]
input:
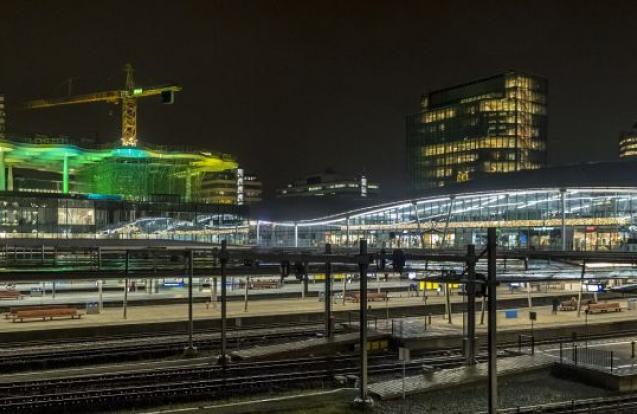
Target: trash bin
[
  {"x": 511, "y": 313},
  {"x": 92, "y": 308},
  {"x": 632, "y": 303}
]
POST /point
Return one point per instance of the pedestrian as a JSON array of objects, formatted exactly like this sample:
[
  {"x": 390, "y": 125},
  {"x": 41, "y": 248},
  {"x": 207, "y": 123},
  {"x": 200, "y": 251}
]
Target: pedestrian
[{"x": 556, "y": 304}]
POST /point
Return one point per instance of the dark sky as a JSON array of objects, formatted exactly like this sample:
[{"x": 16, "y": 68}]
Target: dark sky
[{"x": 293, "y": 87}]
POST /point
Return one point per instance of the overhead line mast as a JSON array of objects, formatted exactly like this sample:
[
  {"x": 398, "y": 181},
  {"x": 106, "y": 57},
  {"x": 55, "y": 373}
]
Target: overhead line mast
[{"x": 127, "y": 97}]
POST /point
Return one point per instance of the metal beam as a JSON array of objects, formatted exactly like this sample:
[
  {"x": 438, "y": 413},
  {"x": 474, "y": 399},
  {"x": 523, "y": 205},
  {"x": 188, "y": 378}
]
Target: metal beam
[
  {"x": 471, "y": 306},
  {"x": 223, "y": 260},
  {"x": 492, "y": 318},
  {"x": 190, "y": 349},
  {"x": 327, "y": 294},
  {"x": 363, "y": 261}
]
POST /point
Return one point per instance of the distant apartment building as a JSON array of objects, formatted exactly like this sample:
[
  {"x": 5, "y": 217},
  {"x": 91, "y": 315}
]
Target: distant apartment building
[
  {"x": 230, "y": 187},
  {"x": 628, "y": 143},
  {"x": 492, "y": 125},
  {"x": 329, "y": 184}
]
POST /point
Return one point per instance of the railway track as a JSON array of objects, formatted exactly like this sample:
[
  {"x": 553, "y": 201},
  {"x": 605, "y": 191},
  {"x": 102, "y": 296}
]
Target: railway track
[
  {"x": 44, "y": 355},
  {"x": 625, "y": 404},
  {"x": 157, "y": 386}
]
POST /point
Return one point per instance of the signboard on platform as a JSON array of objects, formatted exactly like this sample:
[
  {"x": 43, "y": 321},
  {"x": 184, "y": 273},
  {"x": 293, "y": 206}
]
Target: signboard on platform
[{"x": 404, "y": 354}]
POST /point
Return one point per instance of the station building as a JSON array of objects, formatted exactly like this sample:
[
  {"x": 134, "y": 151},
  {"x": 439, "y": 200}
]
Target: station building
[{"x": 579, "y": 207}]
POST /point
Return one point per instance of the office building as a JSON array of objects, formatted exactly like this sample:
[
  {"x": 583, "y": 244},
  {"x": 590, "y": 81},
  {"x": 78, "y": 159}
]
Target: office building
[
  {"x": 329, "y": 184},
  {"x": 628, "y": 143},
  {"x": 230, "y": 187},
  {"x": 492, "y": 125}
]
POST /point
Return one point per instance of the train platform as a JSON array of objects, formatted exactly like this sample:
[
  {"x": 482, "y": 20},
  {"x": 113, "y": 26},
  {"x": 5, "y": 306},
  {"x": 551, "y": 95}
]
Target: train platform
[
  {"x": 312, "y": 346},
  {"x": 514, "y": 326},
  {"x": 103, "y": 369},
  {"x": 166, "y": 317},
  {"x": 79, "y": 294},
  {"x": 395, "y": 388}
]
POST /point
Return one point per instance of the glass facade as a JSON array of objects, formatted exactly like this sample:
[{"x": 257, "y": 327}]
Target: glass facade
[
  {"x": 574, "y": 218},
  {"x": 555, "y": 219},
  {"x": 495, "y": 125}
]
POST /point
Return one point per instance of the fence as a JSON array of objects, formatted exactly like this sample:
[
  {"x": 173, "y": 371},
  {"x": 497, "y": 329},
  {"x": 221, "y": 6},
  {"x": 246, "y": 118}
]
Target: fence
[{"x": 589, "y": 357}]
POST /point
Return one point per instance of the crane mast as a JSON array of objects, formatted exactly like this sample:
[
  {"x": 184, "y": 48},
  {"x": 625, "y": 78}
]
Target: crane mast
[{"x": 127, "y": 97}]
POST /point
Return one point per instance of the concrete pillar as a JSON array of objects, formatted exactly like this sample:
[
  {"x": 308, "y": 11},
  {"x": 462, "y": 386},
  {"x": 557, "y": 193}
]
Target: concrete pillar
[
  {"x": 563, "y": 216},
  {"x": 213, "y": 292},
  {"x": 126, "y": 287},
  {"x": 188, "y": 194},
  {"x": 65, "y": 174},
  {"x": 100, "y": 296},
  {"x": 3, "y": 180},
  {"x": 581, "y": 287},
  {"x": 245, "y": 296},
  {"x": 10, "y": 178}
]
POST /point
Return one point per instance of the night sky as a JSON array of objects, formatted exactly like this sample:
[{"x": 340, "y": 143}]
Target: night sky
[{"x": 293, "y": 87}]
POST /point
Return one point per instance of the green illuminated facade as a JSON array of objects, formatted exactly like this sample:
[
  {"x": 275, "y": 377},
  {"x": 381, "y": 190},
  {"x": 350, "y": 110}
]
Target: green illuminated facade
[{"x": 131, "y": 173}]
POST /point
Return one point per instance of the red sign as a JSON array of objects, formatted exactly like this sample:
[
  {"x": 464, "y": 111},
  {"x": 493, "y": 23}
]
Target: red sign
[{"x": 591, "y": 229}]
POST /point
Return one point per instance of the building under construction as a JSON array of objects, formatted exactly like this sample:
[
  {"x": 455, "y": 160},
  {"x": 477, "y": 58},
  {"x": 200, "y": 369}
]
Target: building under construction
[
  {"x": 54, "y": 186},
  {"x": 132, "y": 173}
]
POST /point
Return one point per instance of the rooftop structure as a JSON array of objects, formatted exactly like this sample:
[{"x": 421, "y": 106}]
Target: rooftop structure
[
  {"x": 492, "y": 125},
  {"x": 329, "y": 184},
  {"x": 132, "y": 173}
]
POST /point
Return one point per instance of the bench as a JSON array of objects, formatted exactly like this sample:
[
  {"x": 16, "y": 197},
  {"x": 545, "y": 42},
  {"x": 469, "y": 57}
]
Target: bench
[
  {"x": 265, "y": 284},
  {"x": 569, "y": 305},
  {"x": 14, "y": 309},
  {"x": 45, "y": 312},
  {"x": 10, "y": 294},
  {"x": 603, "y": 307},
  {"x": 371, "y": 296}
]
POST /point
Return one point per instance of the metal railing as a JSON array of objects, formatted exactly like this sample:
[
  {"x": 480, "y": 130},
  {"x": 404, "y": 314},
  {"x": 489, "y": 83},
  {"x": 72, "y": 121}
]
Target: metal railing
[{"x": 589, "y": 357}]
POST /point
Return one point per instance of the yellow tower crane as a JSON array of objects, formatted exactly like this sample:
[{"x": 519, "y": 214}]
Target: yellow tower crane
[{"x": 127, "y": 97}]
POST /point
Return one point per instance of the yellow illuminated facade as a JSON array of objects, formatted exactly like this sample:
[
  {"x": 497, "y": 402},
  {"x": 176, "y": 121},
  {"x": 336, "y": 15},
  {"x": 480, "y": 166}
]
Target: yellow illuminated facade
[
  {"x": 628, "y": 143},
  {"x": 495, "y": 125}
]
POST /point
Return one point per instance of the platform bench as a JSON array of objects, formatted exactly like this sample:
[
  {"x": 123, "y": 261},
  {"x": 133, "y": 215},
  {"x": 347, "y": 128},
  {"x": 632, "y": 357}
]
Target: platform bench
[
  {"x": 265, "y": 284},
  {"x": 603, "y": 307},
  {"x": 45, "y": 313},
  {"x": 371, "y": 297},
  {"x": 14, "y": 309},
  {"x": 10, "y": 294},
  {"x": 569, "y": 305}
]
